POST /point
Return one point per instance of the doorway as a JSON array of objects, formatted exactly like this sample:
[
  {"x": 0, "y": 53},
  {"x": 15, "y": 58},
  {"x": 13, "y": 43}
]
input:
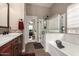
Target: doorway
[
  {"x": 35, "y": 29},
  {"x": 31, "y": 28}
]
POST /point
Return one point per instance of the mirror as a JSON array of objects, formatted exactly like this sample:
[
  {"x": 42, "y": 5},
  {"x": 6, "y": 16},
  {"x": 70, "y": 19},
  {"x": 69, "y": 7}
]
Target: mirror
[
  {"x": 53, "y": 24},
  {"x": 4, "y": 15},
  {"x": 56, "y": 24}
]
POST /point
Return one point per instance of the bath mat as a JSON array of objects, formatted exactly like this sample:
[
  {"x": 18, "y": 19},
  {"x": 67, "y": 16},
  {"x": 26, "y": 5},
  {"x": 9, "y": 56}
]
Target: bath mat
[{"x": 37, "y": 46}]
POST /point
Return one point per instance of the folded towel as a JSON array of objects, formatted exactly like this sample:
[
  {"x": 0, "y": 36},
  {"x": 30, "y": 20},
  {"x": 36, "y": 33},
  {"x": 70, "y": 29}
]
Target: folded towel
[{"x": 59, "y": 44}]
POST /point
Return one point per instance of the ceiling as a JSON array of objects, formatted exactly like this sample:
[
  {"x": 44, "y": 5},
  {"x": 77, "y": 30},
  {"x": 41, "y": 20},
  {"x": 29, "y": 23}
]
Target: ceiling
[{"x": 43, "y": 4}]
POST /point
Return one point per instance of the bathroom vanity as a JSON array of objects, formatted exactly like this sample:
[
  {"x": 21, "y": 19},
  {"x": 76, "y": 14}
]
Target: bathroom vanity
[{"x": 11, "y": 44}]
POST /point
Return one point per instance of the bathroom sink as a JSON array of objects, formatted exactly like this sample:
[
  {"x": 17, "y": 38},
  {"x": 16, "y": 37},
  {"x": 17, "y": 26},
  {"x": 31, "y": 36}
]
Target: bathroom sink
[{"x": 8, "y": 37}]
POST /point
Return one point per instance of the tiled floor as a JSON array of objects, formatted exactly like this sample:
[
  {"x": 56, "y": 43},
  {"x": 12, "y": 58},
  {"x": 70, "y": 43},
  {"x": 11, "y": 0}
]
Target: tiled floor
[{"x": 38, "y": 52}]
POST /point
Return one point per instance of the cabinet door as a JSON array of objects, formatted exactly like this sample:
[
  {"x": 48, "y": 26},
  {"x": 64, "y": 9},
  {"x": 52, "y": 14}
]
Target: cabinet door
[
  {"x": 15, "y": 50},
  {"x": 14, "y": 47},
  {"x": 6, "y": 51},
  {"x": 20, "y": 43}
]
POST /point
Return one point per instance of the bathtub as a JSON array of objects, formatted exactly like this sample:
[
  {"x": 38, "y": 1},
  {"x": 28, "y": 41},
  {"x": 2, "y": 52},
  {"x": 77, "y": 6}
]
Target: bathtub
[{"x": 69, "y": 50}]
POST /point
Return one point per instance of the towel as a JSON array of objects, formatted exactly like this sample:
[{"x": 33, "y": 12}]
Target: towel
[
  {"x": 59, "y": 44},
  {"x": 21, "y": 25}
]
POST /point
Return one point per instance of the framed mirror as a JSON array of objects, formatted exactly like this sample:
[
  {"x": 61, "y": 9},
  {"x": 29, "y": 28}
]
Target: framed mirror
[{"x": 4, "y": 15}]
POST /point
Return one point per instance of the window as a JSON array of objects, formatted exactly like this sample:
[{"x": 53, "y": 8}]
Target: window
[{"x": 73, "y": 18}]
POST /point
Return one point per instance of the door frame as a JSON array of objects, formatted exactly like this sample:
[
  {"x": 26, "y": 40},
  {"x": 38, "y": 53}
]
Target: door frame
[{"x": 28, "y": 18}]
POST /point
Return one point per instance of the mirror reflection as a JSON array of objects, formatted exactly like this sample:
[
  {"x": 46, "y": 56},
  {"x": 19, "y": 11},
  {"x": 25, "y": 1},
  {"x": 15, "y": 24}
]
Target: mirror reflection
[
  {"x": 3, "y": 15},
  {"x": 56, "y": 23}
]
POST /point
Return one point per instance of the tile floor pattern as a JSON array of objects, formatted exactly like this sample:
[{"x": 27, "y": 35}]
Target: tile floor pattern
[{"x": 38, "y": 52}]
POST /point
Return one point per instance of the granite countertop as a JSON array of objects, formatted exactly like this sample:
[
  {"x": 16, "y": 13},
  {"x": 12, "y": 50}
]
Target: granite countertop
[
  {"x": 8, "y": 37},
  {"x": 70, "y": 49}
]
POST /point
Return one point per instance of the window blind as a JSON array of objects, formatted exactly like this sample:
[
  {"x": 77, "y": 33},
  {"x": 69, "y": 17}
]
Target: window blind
[{"x": 73, "y": 18}]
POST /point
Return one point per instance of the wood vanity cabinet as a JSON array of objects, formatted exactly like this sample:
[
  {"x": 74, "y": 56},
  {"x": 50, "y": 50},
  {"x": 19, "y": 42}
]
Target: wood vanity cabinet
[
  {"x": 12, "y": 48},
  {"x": 17, "y": 45},
  {"x": 6, "y": 49}
]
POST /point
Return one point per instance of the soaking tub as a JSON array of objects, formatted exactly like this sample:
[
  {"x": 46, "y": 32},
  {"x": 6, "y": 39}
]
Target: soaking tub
[{"x": 69, "y": 50}]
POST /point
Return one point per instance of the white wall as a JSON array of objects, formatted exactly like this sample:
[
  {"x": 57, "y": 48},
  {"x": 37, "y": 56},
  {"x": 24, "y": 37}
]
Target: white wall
[
  {"x": 36, "y": 10},
  {"x": 16, "y": 13},
  {"x": 59, "y": 8}
]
